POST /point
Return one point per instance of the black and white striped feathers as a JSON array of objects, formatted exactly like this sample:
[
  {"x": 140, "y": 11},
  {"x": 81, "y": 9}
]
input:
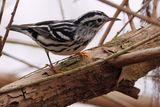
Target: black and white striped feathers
[{"x": 65, "y": 37}]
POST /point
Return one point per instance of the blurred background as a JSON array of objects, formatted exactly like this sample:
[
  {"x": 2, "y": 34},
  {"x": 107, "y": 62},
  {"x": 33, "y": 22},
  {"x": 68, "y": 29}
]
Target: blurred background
[{"x": 31, "y": 11}]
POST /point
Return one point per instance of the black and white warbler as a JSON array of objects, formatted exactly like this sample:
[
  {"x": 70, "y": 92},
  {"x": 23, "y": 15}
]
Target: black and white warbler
[{"x": 65, "y": 37}]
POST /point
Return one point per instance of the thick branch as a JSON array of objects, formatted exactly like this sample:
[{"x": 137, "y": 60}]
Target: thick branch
[
  {"x": 68, "y": 87},
  {"x": 136, "y": 57}
]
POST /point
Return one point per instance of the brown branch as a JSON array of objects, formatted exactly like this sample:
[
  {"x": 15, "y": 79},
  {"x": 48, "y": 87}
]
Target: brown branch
[
  {"x": 149, "y": 20},
  {"x": 2, "y": 10},
  {"x": 105, "y": 101},
  {"x": 131, "y": 21},
  {"x": 136, "y": 57},
  {"x": 155, "y": 6},
  {"x": 88, "y": 65},
  {"x": 117, "y": 99},
  {"x": 1, "y": 41},
  {"x": 146, "y": 11},
  {"x": 8, "y": 27},
  {"x": 6, "y": 78},
  {"x": 91, "y": 79},
  {"x": 111, "y": 24},
  {"x": 20, "y": 60}
]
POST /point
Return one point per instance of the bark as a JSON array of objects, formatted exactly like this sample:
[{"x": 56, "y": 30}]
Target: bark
[{"x": 79, "y": 82}]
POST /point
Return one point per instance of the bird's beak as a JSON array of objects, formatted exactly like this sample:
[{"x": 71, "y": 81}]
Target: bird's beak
[{"x": 112, "y": 18}]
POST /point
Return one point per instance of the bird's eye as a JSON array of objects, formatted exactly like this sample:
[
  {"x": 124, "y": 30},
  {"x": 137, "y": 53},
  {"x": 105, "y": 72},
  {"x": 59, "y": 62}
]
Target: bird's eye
[{"x": 99, "y": 20}]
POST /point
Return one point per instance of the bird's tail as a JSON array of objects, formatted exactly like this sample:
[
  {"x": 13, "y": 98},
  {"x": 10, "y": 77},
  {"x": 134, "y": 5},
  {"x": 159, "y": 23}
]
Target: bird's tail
[{"x": 20, "y": 28}]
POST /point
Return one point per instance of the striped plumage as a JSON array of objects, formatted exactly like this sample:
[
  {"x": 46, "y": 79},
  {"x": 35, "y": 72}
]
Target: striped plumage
[{"x": 65, "y": 37}]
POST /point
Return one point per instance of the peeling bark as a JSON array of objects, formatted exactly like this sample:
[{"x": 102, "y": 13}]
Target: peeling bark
[{"x": 69, "y": 87}]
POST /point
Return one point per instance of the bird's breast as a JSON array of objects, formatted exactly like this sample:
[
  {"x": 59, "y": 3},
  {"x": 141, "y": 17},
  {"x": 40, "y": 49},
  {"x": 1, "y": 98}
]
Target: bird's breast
[
  {"x": 68, "y": 47},
  {"x": 65, "y": 48}
]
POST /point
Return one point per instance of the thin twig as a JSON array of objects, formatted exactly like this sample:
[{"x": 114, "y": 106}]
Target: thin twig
[
  {"x": 147, "y": 3},
  {"x": 20, "y": 60},
  {"x": 30, "y": 83},
  {"x": 22, "y": 42},
  {"x": 129, "y": 17},
  {"x": 2, "y": 10},
  {"x": 61, "y": 8},
  {"x": 149, "y": 20},
  {"x": 1, "y": 41},
  {"x": 154, "y": 12},
  {"x": 111, "y": 24},
  {"x": 9, "y": 25},
  {"x": 146, "y": 11}
]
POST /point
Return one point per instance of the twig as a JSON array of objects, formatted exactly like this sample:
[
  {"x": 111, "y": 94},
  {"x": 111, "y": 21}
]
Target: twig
[
  {"x": 146, "y": 3},
  {"x": 149, "y": 20},
  {"x": 8, "y": 27},
  {"x": 2, "y": 10},
  {"x": 147, "y": 8},
  {"x": 154, "y": 12},
  {"x": 81, "y": 67},
  {"x": 1, "y": 41},
  {"x": 111, "y": 24},
  {"x": 131, "y": 21},
  {"x": 61, "y": 8},
  {"x": 15, "y": 41},
  {"x": 20, "y": 60}
]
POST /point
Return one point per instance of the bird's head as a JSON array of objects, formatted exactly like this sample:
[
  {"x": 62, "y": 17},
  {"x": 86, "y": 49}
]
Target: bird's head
[{"x": 94, "y": 19}]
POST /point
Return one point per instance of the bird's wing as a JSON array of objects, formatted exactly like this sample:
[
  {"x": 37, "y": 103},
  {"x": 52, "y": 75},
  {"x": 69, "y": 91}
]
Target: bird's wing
[
  {"x": 57, "y": 30},
  {"x": 42, "y": 28},
  {"x": 63, "y": 30}
]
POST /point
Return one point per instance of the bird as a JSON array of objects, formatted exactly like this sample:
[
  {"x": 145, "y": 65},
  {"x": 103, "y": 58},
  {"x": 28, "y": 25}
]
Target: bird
[{"x": 65, "y": 37}]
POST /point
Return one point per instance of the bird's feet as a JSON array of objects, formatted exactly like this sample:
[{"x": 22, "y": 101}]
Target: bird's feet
[
  {"x": 52, "y": 68},
  {"x": 85, "y": 56}
]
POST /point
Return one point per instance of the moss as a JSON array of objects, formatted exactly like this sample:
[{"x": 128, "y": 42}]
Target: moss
[{"x": 72, "y": 62}]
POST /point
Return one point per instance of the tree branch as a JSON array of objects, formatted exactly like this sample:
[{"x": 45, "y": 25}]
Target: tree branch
[
  {"x": 136, "y": 57},
  {"x": 22, "y": 42},
  {"x": 2, "y": 10},
  {"x": 8, "y": 27},
  {"x": 131, "y": 18},
  {"x": 111, "y": 23},
  {"x": 155, "y": 6},
  {"x": 20, "y": 60},
  {"x": 131, "y": 21},
  {"x": 90, "y": 79},
  {"x": 89, "y": 65},
  {"x": 61, "y": 9},
  {"x": 149, "y": 20}
]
